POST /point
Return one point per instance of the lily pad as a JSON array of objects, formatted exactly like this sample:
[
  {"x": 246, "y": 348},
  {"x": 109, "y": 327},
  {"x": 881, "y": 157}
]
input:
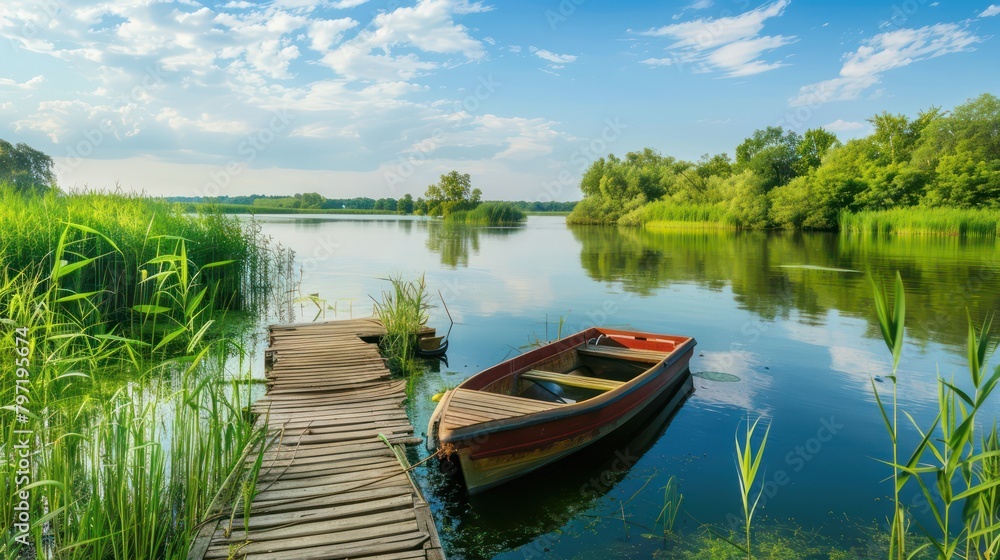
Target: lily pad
[
  {"x": 716, "y": 376},
  {"x": 816, "y": 267}
]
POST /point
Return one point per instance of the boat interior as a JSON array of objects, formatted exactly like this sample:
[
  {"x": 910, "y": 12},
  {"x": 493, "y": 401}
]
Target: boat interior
[{"x": 581, "y": 373}]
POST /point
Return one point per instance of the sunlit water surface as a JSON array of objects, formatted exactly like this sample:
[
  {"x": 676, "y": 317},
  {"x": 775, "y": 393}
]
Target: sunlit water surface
[{"x": 763, "y": 307}]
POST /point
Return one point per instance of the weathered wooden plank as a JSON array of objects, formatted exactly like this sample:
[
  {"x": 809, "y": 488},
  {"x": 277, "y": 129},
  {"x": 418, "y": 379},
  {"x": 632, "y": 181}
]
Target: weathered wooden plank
[
  {"x": 378, "y": 545},
  {"x": 328, "y": 488},
  {"x": 258, "y": 521},
  {"x": 343, "y": 498},
  {"x": 328, "y": 528}
]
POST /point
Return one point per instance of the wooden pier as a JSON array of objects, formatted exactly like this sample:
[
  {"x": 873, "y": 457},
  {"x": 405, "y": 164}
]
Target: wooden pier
[{"x": 329, "y": 487}]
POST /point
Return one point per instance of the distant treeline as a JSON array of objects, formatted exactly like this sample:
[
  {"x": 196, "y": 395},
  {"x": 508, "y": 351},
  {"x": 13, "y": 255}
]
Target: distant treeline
[
  {"x": 780, "y": 178},
  {"x": 315, "y": 201}
]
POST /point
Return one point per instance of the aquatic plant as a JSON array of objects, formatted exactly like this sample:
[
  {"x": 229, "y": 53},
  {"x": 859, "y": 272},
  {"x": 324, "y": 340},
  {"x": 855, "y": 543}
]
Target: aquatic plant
[
  {"x": 403, "y": 312},
  {"x": 962, "y": 472},
  {"x": 783, "y": 542},
  {"x": 489, "y": 214},
  {"x": 672, "y": 501},
  {"x": 891, "y": 324},
  {"x": 129, "y": 442},
  {"x": 134, "y": 230},
  {"x": 747, "y": 465},
  {"x": 666, "y": 214},
  {"x": 962, "y": 222}
]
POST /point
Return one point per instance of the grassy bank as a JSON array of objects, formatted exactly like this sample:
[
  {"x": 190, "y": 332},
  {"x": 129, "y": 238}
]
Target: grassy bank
[
  {"x": 916, "y": 220},
  {"x": 667, "y": 215},
  {"x": 130, "y": 403},
  {"x": 489, "y": 214},
  {"x": 125, "y": 453},
  {"x": 924, "y": 221},
  {"x": 130, "y": 236}
]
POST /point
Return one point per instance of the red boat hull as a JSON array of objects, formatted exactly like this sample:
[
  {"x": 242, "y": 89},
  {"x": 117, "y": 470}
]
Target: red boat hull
[{"x": 491, "y": 453}]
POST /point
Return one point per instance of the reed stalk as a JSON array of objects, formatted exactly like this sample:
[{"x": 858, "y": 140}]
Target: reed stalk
[
  {"x": 137, "y": 414},
  {"x": 747, "y": 466},
  {"x": 403, "y": 312},
  {"x": 891, "y": 324}
]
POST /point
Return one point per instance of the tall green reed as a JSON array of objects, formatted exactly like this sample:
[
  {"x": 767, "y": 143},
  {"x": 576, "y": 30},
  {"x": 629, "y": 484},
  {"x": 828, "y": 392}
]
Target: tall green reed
[
  {"x": 403, "y": 312},
  {"x": 489, "y": 214},
  {"x": 747, "y": 466},
  {"x": 33, "y": 226},
  {"x": 964, "y": 222},
  {"x": 891, "y": 321},
  {"x": 962, "y": 471},
  {"x": 132, "y": 437}
]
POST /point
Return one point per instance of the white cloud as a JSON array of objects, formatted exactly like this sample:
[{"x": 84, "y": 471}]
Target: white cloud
[
  {"x": 464, "y": 7},
  {"x": 33, "y": 83},
  {"x": 346, "y": 4},
  {"x": 272, "y": 57},
  {"x": 206, "y": 123},
  {"x": 840, "y": 125},
  {"x": 993, "y": 10},
  {"x": 731, "y": 45},
  {"x": 428, "y": 26},
  {"x": 514, "y": 49},
  {"x": 325, "y": 33},
  {"x": 189, "y": 85},
  {"x": 321, "y": 131},
  {"x": 553, "y": 57},
  {"x": 863, "y": 68},
  {"x": 697, "y": 5}
]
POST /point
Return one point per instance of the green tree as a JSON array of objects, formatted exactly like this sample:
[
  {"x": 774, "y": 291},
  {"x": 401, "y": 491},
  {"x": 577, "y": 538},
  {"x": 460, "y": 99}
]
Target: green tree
[
  {"x": 26, "y": 168},
  {"x": 719, "y": 165},
  {"x": 452, "y": 193},
  {"x": 813, "y": 146},
  {"x": 748, "y": 205},
  {"x": 311, "y": 200},
  {"x": 405, "y": 204},
  {"x": 895, "y": 136},
  {"x": 962, "y": 153},
  {"x": 772, "y": 154}
]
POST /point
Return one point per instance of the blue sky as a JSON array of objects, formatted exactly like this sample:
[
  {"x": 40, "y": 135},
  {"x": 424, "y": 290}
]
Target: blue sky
[{"x": 375, "y": 98}]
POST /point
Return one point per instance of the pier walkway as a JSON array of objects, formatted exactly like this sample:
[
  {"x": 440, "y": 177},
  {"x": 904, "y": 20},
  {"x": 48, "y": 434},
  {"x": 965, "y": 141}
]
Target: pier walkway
[{"x": 328, "y": 486}]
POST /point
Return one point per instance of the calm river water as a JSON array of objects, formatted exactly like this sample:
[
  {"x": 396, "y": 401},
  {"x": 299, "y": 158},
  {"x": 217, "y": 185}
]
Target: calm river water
[{"x": 763, "y": 307}]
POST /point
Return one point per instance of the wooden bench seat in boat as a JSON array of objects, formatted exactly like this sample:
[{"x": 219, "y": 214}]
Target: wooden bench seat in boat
[
  {"x": 468, "y": 407},
  {"x": 651, "y": 356},
  {"x": 593, "y": 383}
]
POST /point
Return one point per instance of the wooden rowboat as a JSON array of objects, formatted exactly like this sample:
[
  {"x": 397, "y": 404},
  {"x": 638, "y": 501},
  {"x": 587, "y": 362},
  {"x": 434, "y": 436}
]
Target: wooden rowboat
[{"x": 540, "y": 406}]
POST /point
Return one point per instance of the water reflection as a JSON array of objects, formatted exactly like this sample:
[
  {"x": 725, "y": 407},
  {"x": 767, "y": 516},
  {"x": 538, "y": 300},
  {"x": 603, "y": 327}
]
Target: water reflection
[
  {"x": 456, "y": 242},
  {"x": 802, "y": 341},
  {"x": 531, "y": 514},
  {"x": 764, "y": 271}
]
